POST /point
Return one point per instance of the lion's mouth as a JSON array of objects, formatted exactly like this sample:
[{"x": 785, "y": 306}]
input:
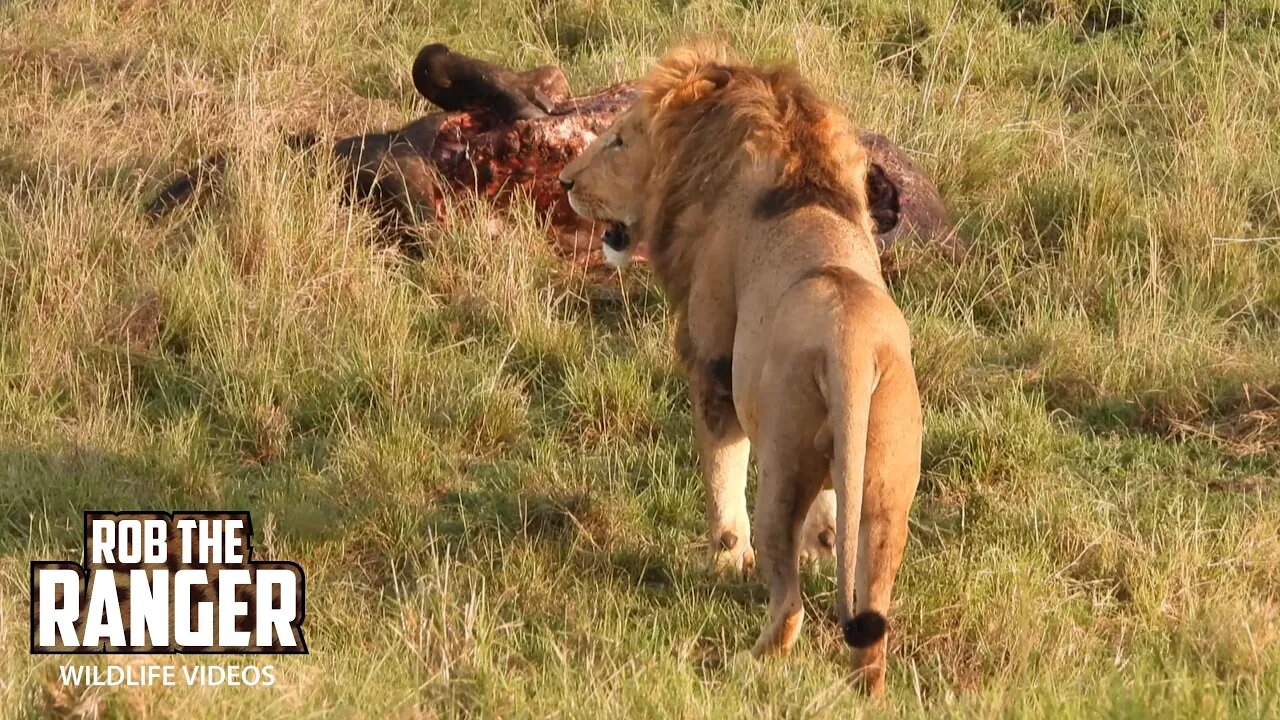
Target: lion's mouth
[
  {"x": 616, "y": 237},
  {"x": 616, "y": 243}
]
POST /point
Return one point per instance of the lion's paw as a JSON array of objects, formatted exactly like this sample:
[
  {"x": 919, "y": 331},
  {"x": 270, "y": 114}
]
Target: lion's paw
[
  {"x": 818, "y": 534},
  {"x": 731, "y": 554},
  {"x": 819, "y": 546}
]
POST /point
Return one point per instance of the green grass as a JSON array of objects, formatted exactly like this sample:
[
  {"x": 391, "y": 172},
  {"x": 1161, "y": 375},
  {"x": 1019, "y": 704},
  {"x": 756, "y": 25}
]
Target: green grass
[{"x": 483, "y": 459}]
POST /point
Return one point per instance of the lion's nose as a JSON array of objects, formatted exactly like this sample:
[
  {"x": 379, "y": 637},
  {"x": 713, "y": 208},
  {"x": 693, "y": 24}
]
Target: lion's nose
[{"x": 566, "y": 184}]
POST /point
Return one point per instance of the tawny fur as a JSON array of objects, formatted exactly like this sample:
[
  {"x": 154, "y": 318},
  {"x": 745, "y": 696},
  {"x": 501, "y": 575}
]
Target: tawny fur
[{"x": 751, "y": 193}]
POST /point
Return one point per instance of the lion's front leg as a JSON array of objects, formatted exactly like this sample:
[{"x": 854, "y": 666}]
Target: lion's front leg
[{"x": 723, "y": 451}]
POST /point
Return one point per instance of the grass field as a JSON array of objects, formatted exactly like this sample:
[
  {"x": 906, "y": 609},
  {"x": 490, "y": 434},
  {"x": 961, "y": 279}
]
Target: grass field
[{"x": 483, "y": 459}]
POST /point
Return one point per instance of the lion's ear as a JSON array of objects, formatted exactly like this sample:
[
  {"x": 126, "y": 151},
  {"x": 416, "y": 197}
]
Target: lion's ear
[
  {"x": 701, "y": 84},
  {"x": 717, "y": 75},
  {"x": 686, "y": 74},
  {"x": 882, "y": 199}
]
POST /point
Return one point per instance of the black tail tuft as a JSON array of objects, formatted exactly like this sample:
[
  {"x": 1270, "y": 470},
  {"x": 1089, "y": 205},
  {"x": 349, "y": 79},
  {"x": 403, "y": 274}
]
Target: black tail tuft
[{"x": 865, "y": 629}]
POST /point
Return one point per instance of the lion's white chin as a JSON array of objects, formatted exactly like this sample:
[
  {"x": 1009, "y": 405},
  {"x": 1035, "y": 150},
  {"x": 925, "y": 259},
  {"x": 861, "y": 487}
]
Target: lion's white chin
[{"x": 617, "y": 258}]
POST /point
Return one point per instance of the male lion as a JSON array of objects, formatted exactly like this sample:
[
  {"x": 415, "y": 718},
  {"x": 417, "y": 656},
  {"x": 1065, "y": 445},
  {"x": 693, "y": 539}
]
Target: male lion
[{"x": 752, "y": 195}]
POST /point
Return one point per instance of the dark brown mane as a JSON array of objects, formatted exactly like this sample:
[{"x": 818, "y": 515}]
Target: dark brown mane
[{"x": 710, "y": 119}]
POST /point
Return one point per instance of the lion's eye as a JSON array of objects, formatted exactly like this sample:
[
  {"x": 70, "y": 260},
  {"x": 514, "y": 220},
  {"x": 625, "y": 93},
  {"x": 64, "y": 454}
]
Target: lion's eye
[{"x": 617, "y": 141}]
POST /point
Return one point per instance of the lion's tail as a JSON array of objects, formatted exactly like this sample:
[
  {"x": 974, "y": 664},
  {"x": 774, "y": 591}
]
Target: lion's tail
[
  {"x": 851, "y": 382},
  {"x": 872, "y": 435}
]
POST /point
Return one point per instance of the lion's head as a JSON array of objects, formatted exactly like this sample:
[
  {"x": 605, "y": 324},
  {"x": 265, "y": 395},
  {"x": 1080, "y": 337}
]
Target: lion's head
[
  {"x": 606, "y": 183},
  {"x": 704, "y": 121},
  {"x": 610, "y": 181}
]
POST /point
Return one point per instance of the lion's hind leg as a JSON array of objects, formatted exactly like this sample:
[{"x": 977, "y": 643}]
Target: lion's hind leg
[
  {"x": 792, "y": 473},
  {"x": 787, "y": 489},
  {"x": 870, "y": 392}
]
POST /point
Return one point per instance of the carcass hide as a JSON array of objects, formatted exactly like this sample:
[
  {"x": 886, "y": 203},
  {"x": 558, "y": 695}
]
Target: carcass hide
[{"x": 516, "y": 145}]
